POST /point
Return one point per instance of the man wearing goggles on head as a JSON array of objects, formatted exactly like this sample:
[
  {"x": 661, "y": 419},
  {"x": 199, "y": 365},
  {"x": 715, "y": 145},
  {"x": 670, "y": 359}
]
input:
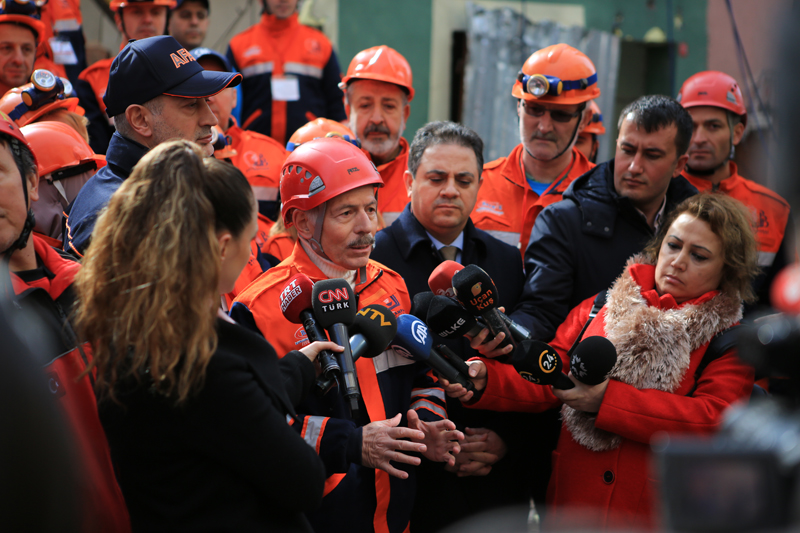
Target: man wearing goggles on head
[{"x": 553, "y": 89}]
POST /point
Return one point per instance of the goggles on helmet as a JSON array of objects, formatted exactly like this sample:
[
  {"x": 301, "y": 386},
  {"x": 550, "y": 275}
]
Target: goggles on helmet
[
  {"x": 290, "y": 146},
  {"x": 539, "y": 85},
  {"x": 47, "y": 88}
]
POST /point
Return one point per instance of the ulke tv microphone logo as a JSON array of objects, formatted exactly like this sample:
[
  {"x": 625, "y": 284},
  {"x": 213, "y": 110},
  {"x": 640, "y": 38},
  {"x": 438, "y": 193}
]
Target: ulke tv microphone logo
[{"x": 334, "y": 299}]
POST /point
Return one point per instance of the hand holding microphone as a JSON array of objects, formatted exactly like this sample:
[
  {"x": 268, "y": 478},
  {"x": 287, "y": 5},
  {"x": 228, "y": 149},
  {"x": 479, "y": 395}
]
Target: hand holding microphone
[
  {"x": 297, "y": 307},
  {"x": 477, "y": 293}
]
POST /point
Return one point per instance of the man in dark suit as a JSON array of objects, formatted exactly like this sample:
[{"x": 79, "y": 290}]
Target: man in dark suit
[{"x": 442, "y": 181}]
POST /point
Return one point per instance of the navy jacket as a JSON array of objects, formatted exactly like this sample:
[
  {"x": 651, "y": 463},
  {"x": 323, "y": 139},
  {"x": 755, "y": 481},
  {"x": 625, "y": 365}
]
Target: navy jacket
[
  {"x": 122, "y": 156},
  {"x": 579, "y": 246},
  {"x": 443, "y": 498}
]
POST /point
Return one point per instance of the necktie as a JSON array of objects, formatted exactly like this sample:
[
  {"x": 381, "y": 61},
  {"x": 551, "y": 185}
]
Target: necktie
[{"x": 449, "y": 252}]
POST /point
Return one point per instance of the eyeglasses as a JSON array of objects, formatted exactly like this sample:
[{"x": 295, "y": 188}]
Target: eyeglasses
[{"x": 556, "y": 114}]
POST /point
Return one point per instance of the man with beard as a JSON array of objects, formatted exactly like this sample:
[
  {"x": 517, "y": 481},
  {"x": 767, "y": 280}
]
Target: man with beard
[
  {"x": 328, "y": 190},
  {"x": 553, "y": 89},
  {"x": 135, "y": 19},
  {"x": 378, "y": 89},
  {"x": 719, "y": 117},
  {"x": 156, "y": 92}
]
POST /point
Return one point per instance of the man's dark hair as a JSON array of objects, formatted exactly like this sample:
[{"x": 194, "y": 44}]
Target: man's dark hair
[
  {"x": 443, "y": 132},
  {"x": 655, "y": 111}
]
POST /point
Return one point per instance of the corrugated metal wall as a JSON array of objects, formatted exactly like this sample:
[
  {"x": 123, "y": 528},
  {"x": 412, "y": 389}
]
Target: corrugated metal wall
[{"x": 499, "y": 42}]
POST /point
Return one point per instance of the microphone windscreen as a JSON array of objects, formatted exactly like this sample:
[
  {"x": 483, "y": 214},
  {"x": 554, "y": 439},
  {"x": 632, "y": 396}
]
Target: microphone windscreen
[
  {"x": 537, "y": 362},
  {"x": 296, "y": 297},
  {"x": 378, "y": 326},
  {"x": 441, "y": 279},
  {"x": 334, "y": 302},
  {"x": 413, "y": 340},
  {"x": 447, "y": 318},
  {"x": 420, "y": 304},
  {"x": 475, "y": 289},
  {"x": 592, "y": 360}
]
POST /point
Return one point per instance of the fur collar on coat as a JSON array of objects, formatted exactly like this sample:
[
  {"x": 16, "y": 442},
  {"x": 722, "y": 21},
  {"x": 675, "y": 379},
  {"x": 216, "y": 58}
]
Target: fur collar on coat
[{"x": 653, "y": 345}]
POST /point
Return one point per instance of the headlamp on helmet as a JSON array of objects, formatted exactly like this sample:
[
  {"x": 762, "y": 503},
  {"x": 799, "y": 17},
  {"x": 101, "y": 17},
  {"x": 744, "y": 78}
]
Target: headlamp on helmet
[
  {"x": 539, "y": 85},
  {"x": 45, "y": 88}
]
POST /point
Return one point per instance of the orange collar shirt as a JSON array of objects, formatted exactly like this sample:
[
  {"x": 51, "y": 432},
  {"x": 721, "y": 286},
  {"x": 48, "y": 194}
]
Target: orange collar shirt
[
  {"x": 393, "y": 197},
  {"x": 507, "y": 207}
]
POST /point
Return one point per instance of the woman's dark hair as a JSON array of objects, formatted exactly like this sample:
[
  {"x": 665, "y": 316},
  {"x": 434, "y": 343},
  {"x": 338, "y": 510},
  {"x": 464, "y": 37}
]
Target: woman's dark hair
[{"x": 230, "y": 195}]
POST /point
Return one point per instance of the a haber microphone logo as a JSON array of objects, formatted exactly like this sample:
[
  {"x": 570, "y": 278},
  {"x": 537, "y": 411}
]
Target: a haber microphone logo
[
  {"x": 290, "y": 292},
  {"x": 334, "y": 299},
  {"x": 419, "y": 331}
]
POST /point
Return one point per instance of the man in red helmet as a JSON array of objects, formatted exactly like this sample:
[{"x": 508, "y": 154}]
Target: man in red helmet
[
  {"x": 20, "y": 31},
  {"x": 135, "y": 19},
  {"x": 42, "y": 290},
  {"x": 328, "y": 190},
  {"x": 290, "y": 73},
  {"x": 587, "y": 142},
  {"x": 378, "y": 88},
  {"x": 719, "y": 117},
  {"x": 553, "y": 89}
]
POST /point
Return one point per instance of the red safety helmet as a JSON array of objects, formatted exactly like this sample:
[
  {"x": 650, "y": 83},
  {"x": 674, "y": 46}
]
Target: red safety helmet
[
  {"x": 116, "y": 5},
  {"x": 8, "y": 127},
  {"x": 558, "y": 74},
  {"x": 13, "y": 98},
  {"x": 321, "y": 127},
  {"x": 596, "y": 124},
  {"x": 714, "y": 89},
  {"x": 380, "y": 63},
  {"x": 321, "y": 169},
  {"x": 25, "y": 12},
  {"x": 59, "y": 147}
]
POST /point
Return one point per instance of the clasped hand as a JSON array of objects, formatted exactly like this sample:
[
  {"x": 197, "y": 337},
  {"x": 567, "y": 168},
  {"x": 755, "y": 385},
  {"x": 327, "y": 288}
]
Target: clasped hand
[{"x": 384, "y": 441}]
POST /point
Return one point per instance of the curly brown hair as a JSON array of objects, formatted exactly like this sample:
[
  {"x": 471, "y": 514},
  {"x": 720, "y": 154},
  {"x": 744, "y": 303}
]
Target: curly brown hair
[
  {"x": 147, "y": 292},
  {"x": 732, "y": 222}
]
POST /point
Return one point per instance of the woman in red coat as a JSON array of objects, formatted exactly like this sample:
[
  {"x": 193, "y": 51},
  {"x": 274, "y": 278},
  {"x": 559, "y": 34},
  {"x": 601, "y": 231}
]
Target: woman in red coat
[{"x": 660, "y": 314}]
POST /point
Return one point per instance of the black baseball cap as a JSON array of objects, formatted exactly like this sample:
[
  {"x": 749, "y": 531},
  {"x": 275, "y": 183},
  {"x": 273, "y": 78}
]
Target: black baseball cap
[{"x": 150, "y": 67}]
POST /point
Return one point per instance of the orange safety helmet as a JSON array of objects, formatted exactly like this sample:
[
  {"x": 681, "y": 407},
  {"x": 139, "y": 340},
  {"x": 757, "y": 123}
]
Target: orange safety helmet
[
  {"x": 321, "y": 169},
  {"x": 714, "y": 89},
  {"x": 595, "y": 126},
  {"x": 557, "y": 74},
  {"x": 321, "y": 127},
  {"x": 380, "y": 63},
  {"x": 116, "y": 5},
  {"x": 13, "y": 99},
  {"x": 25, "y": 13},
  {"x": 60, "y": 147}
]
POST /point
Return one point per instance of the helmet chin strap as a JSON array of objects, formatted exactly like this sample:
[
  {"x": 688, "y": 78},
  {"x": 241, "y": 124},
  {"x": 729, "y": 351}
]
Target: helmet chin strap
[
  {"x": 22, "y": 241},
  {"x": 316, "y": 240}
]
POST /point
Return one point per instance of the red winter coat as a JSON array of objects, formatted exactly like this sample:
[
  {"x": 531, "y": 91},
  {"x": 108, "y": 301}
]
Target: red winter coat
[{"x": 616, "y": 487}]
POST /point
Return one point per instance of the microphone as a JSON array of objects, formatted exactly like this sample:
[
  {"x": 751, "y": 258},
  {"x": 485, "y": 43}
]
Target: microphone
[
  {"x": 372, "y": 331},
  {"x": 539, "y": 363},
  {"x": 413, "y": 341},
  {"x": 335, "y": 308},
  {"x": 477, "y": 293},
  {"x": 448, "y": 318},
  {"x": 441, "y": 279},
  {"x": 297, "y": 307},
  {"x": 420, "y": 304},
  {"x": 592, "y": 360}
]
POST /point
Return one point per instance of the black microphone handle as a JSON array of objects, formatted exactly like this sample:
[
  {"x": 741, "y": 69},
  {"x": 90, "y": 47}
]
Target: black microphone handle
[
  {"x": 520, "y": 333},
  {"x": 563, "y": 382},
  {"x": 496, "y": 324},
  {"x": 437, "y": 362},
  {"x": 315, "y": 332},
  {"x": 457, "y": 363},
  {"x": 340, "y": 336},
  {"x": 358, "y": 345}
]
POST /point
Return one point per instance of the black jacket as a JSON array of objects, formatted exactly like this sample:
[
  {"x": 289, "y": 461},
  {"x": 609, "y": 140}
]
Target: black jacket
[
  {"x": 579, "y": 246},
  {"x": 122, "y": 156},
  {"x": 442, "y": 498},
  {"x": 227, "y": 460}
]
